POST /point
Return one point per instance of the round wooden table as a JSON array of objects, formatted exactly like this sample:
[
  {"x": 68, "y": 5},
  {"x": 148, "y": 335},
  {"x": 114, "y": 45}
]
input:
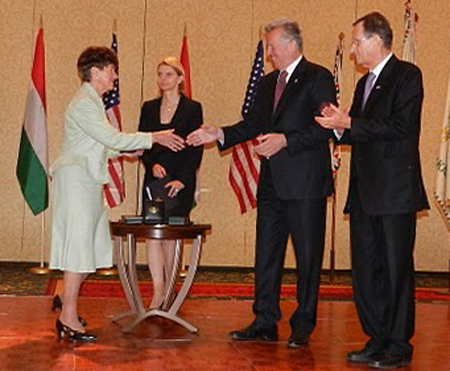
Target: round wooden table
[{"x": 126, "y": 264}]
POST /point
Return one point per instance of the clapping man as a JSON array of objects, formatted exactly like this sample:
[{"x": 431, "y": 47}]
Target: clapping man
[{"x": 386, "y": 191}]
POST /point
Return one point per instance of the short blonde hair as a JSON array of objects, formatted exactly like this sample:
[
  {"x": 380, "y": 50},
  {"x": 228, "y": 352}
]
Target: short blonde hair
[{"x": 177, "y": 67}]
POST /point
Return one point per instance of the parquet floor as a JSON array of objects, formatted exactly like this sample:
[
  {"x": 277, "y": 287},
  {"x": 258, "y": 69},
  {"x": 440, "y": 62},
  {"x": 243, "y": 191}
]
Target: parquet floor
[{"x": 28, "y": 340}]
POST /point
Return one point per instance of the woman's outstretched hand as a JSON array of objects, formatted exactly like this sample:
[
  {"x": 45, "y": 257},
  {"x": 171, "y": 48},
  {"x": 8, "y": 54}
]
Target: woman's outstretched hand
[{"x": 168, "y": 139}]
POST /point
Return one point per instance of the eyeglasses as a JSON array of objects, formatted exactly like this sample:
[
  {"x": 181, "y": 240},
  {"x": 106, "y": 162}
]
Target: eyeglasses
[{"x": 357, "y": 42}]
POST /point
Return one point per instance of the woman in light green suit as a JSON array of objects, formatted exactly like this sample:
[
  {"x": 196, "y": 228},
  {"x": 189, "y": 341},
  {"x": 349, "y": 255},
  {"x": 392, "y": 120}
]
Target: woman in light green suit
[{"x": 81, "y": 241}]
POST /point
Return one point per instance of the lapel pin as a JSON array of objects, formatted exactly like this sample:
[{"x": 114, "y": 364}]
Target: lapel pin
[{"x": 378, "y": 87}]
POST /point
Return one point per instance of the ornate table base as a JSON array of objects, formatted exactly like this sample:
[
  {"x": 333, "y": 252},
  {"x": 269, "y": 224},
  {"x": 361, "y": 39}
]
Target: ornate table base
[{"x": 126, "y": 264}]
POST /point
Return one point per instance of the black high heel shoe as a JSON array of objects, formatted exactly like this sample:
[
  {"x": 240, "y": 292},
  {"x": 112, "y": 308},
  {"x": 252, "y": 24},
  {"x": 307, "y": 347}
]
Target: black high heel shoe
[
  {"x": 73, "y": 335},
  {"x": 57, "y": 305}
]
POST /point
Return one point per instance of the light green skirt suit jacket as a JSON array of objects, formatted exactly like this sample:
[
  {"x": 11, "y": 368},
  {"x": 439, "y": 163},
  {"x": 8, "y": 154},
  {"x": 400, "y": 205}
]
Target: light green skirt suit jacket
[{"x": 81, "y": 240}]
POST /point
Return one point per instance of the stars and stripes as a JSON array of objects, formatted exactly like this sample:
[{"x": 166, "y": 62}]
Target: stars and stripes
[
  {"x": 115, "y": 190},
  {"x": 245, "y": 163}
]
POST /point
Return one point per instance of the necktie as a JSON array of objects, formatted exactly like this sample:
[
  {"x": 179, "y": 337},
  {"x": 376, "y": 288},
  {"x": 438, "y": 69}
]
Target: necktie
[
  {"x": 279, "y": 88},
  {"x": 368, "y": 88}
]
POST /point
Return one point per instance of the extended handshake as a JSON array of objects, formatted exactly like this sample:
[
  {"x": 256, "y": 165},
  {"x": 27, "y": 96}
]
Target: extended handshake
[{"x": 293, "y": 118}]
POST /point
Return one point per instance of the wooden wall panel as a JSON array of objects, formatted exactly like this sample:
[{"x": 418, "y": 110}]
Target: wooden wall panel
[{"x": 222, "y": 41}]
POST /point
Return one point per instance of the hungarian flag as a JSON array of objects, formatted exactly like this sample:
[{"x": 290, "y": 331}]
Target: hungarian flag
[
  {"x": 32, "y": 165},
  {"x": 184, "y": 59},
  {"x": 245, "y": 163}
]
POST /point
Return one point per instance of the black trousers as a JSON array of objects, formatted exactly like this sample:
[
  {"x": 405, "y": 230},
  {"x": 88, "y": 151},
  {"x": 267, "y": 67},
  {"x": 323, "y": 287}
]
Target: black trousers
[
  {"x": 383, "y": 277},
  {"x": 304, "y": 221}
]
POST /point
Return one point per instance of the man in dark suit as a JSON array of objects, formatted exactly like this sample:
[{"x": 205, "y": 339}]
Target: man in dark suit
[
  {"x": 386, "y": 191},
  {"x": 295, "y": 180}
]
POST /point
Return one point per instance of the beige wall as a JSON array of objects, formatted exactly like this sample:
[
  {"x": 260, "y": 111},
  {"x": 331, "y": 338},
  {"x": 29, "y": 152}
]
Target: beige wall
[{"x": 222, "y": 40}]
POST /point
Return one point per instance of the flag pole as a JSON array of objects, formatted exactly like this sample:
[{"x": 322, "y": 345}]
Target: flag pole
[
  {"x": 41, "y": 269},
  {"x": 334, "y": 195},
  {"x": 333, "y": 234},
  {"x": 109, "y": 271},
  {"x": 188, "y": 91},
  {"x": 144, "y": 52}
]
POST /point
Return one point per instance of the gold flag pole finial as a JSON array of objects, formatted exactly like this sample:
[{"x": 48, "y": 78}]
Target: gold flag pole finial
[
  {"x": 41, "y": 22},
  {"x": 341, "y": 36},
  {"x": 114, "y": 28}
]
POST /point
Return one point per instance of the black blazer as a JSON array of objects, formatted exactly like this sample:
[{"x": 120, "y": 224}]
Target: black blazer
[
  {"x": 180, "y": 165},
  {"x": 302, "y": 170},
  {"x": 385, "y": 162}
]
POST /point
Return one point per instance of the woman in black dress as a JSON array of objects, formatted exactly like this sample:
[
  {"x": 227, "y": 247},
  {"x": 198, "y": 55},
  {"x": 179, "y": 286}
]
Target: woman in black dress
[{"x": 176, "y": 171}]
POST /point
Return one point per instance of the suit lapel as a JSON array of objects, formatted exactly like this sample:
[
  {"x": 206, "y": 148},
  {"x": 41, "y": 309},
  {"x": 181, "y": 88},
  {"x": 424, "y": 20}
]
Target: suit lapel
[
  {"x": 272, "y": 82},
  {"x": 380, "y": 83},
  {"x": 179, "y": 112},
  {"x": 158, "y": 110}
]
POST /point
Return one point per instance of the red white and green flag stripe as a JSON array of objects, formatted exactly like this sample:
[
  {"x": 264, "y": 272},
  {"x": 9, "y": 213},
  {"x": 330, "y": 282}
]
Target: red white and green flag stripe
[
  {"x": 32, "y": 162},
  {"x": 184, "y": 60}
]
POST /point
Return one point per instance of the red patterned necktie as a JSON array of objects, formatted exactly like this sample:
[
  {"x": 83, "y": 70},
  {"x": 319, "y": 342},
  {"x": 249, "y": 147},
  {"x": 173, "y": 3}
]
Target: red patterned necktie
[{"x": 281, "y": 84}]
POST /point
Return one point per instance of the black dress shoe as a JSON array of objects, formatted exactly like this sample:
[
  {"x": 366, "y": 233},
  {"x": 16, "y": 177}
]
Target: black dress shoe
[
  {"x": 298, "y": 339},
  {"x": 390, "y": 360},
  {"x": 253, "y": 332},
  {"x": 365, "y": 355},
  {"x": 73, "y": 335},
  {"x": 57, "y": 304}
]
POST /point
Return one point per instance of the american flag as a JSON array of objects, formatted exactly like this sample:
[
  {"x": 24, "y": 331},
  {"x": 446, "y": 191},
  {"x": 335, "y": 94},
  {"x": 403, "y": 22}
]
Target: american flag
[
  {"x": 245, "y": 163},
  {"x": 115, "y": 189},
  {"x": 337, "y": 71}
]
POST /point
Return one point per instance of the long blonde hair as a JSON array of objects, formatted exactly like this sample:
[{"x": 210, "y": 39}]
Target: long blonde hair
[{"x": 177, "y": 67}]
